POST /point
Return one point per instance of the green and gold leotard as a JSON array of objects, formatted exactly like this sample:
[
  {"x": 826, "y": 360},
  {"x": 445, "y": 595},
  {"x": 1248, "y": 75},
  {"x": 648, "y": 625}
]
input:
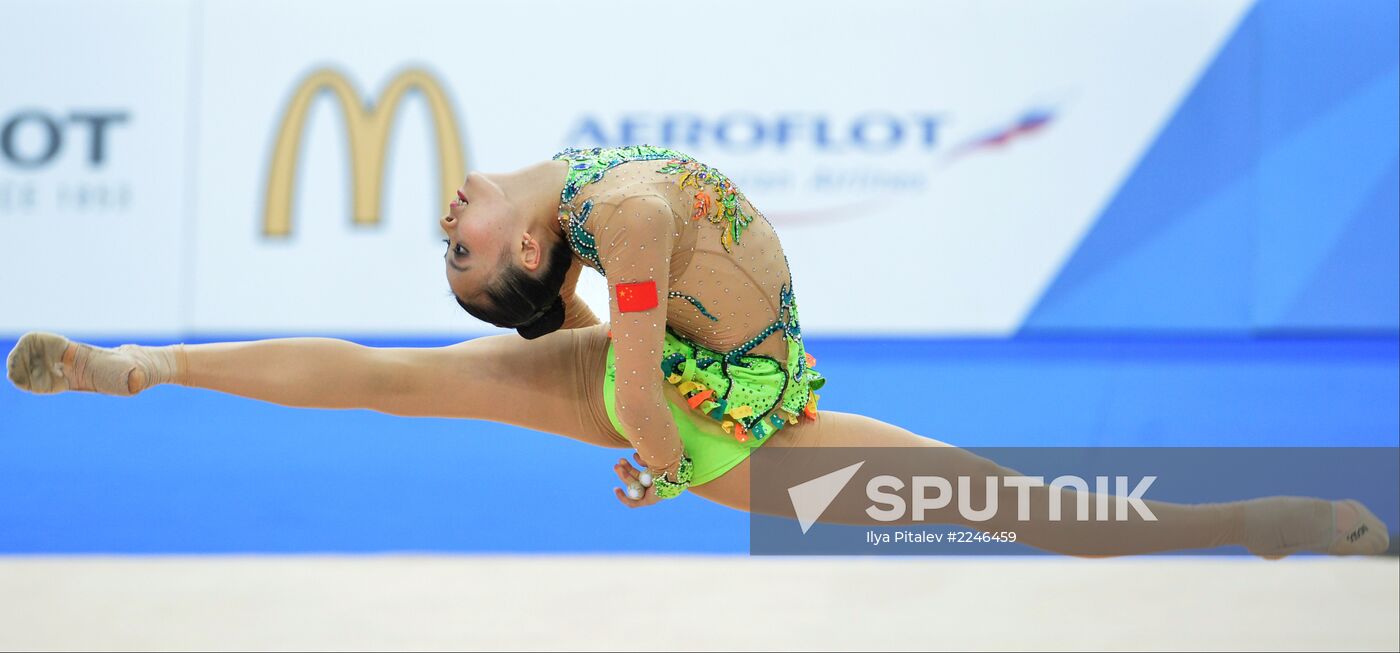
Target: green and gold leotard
[{"x": 723, "y": 324}]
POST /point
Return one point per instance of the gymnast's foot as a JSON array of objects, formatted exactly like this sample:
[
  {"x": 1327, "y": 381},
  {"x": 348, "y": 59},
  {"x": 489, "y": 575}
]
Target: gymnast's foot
[
  {"x": 1356, "y": 530},
  {"x": 1279, "y": 526},
  {"x": 47, "y": 363}
]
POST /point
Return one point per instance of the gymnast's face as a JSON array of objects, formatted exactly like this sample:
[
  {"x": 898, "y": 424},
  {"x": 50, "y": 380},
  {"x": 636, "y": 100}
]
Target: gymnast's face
[{"x": 485, "y": 232}]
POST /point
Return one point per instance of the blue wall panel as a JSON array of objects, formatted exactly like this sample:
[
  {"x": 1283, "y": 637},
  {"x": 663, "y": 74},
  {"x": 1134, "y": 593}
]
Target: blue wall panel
[{"x": 1268, "y": 201}]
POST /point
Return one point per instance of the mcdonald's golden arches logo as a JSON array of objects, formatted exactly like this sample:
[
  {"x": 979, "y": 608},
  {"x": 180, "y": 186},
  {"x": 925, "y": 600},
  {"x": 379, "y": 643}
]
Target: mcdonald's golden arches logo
[{"x": 367, "y": 125}]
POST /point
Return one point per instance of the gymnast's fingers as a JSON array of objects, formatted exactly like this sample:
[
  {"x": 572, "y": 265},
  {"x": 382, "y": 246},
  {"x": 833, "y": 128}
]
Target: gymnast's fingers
[
  {"x": 642, "y": 475},
  {"x": 625, "y": 470},
  {"x": 628, "y": 476},
  {"x": 629, "y": 501}
]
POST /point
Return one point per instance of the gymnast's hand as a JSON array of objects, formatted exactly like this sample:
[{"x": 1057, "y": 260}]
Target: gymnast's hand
[{"x": 631, "y": 477}]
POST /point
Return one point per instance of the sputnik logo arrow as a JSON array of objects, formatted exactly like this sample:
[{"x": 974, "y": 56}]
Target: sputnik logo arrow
[{"x": 811, "y": 499}]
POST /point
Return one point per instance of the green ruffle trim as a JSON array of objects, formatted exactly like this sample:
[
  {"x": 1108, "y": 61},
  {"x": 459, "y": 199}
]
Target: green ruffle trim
[{"x": 751, "y": 397}]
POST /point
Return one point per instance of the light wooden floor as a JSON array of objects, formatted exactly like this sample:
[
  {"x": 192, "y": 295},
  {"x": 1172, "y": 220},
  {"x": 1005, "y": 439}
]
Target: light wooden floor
[{"x": 429, "y": 602}]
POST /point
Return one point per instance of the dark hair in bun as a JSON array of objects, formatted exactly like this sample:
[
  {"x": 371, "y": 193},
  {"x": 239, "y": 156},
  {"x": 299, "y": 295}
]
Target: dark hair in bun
[
  {"x": 529, "y": 304},
  {"x": 548, "y": 322}
]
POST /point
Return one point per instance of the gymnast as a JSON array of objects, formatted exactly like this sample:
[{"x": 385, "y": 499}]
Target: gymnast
[{"x": 701, "y": 360}]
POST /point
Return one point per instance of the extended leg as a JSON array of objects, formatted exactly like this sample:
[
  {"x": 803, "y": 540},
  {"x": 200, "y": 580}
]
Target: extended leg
[
  {"x": 1271, "y": 526},
  {"x": 550, "y": 384}
]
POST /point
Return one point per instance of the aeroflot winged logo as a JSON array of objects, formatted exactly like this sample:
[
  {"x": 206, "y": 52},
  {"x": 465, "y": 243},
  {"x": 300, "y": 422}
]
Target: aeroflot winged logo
[
  {"x": 1028, "y": 123},
  {"x": 367, "y": 126}
]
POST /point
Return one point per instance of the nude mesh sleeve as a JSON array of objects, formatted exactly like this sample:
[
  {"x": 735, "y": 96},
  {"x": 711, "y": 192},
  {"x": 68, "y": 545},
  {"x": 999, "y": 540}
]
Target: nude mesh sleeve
[{"x": 634, "y": 240}]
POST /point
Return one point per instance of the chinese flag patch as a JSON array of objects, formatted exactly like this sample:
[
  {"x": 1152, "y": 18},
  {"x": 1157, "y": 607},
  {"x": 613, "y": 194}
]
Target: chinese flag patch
[{"x": 640, "y": 296}]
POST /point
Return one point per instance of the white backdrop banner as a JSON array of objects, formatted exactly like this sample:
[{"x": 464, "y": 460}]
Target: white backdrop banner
[
  {"x": 941, "y": 158},
  {"x": 94, "y": 183}
]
